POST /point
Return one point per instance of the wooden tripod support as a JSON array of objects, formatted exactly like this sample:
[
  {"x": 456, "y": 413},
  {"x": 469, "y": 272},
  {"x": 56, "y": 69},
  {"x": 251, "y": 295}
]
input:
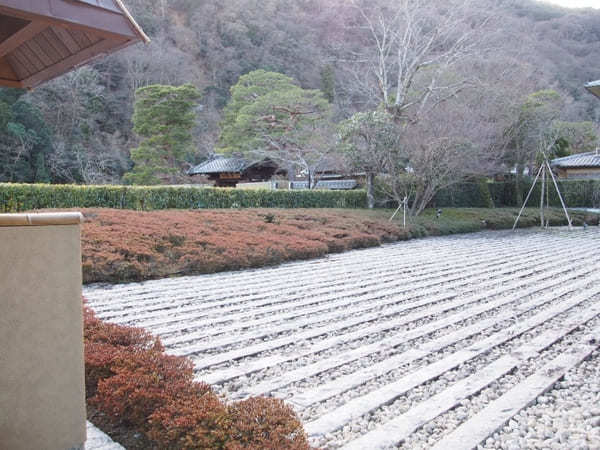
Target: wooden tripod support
[{"x": 543, "y": 171}]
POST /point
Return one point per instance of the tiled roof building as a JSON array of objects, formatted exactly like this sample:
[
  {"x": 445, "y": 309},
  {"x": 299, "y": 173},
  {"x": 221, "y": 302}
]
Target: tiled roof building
[{"x": 580, "y": 165}]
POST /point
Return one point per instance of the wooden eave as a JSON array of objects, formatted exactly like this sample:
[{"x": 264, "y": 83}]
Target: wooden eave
[
  {"x": 42, "y": 39},
  {"x": 594, "y": 88}
]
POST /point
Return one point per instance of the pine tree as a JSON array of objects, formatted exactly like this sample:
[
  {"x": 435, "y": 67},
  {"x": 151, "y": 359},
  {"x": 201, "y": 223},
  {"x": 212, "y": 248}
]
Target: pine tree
[{"x": 164, "y": 117}]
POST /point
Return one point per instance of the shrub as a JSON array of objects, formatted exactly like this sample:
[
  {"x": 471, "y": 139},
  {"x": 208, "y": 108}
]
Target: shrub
[
  {"x": 265, "y": 423},
  {"x": 136, "y": 385},
  {"x": 198, "y": 423},
  {"x": 576, "y": 193},
  {"x": 106, "y": 344},
  {"x": 120, "y": 245},
  {"x": 144, "y": 382}
]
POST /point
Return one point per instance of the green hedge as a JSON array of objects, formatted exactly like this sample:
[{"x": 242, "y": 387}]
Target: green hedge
[
  {"x": 465, "y": 195},
  {"x": 23, "y": 197},
  {"x": 576, "y": 193},
  {"x": 481, "y": 194}
]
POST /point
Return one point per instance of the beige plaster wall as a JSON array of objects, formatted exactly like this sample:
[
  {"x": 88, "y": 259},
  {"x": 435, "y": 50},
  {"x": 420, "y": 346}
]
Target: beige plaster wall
[
  {"x": 42, "y": 399},
  {"x": 579, "y": 173}
]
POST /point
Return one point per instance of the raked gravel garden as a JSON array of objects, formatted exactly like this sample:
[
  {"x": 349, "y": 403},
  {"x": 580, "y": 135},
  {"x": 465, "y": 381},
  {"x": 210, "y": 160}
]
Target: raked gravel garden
[{"x": 488, "y": 340}]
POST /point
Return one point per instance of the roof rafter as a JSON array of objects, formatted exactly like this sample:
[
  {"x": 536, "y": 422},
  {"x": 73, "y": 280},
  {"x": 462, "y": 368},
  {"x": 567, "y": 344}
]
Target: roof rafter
[{"x": 24, "y": 34}]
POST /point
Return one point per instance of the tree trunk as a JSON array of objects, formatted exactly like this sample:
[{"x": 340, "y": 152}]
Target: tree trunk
[{"x": 370, "y": 194}]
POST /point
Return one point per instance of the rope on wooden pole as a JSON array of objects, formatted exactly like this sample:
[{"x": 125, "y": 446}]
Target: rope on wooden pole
[
  {"x": 402, "y": 204},
  {"x": 542, "y": 196}
]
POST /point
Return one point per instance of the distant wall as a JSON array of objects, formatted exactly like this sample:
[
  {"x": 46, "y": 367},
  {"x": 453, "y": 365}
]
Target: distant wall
[
  {"x": 42, "y": 398},
  {"x": 592, "y": 173},
  {"x": 268, "y": 185}
]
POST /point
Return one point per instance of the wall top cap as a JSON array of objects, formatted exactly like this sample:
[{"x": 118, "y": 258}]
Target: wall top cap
[{"x": 40, "y": 219}]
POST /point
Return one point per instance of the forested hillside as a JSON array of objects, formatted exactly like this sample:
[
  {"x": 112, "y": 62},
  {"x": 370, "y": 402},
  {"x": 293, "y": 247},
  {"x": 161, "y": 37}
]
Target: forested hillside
[{"x": 78, "y": 128}]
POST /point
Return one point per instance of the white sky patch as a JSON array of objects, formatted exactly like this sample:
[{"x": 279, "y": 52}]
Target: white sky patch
[{"x": 575, "y": 3}]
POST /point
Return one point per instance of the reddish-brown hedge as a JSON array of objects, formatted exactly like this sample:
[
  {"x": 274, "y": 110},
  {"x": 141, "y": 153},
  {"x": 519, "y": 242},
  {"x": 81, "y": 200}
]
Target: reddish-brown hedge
[
  {"x": 265, "y": 423},
  {"x": 201, "y": 422},
  {"x": 122, "y": 245},
  {"x": 106, "y": 344},
  {"x": 134, "y": 384}
]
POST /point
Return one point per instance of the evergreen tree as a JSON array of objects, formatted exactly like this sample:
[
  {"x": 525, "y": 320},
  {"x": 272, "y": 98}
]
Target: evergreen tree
[
  {"x": 164, "y": 117},
  {"x": 270, "y": 116},
  {"x": 25, "y": 139}
]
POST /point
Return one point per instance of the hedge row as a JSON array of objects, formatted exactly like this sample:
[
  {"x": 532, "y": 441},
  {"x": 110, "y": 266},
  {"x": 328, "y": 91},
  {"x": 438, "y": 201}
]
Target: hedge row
[
  {"x": 465, "y": 195},
  {"x": 23, "y": 197},
  {"x": 576, "y": 193},
  {"x": 138, "y": 388},
  {"x": 480, "y": 194}
]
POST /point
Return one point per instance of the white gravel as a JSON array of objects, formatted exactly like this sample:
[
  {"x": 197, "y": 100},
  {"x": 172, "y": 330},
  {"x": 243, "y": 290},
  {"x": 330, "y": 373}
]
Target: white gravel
[
  {"x": 355, "y": 340},
  {"x": 97, "y": 440}
]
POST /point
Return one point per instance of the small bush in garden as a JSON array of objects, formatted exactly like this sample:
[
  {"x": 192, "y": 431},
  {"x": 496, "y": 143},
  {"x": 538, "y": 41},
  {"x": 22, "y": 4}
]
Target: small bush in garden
[
  {"x": 265, "y": 423},
  {"x": 136, "y": 385},
  {"x": 144, "y": 382},
  {"x": 106, "y": 344},
  {"x": 199, "y": 422}
]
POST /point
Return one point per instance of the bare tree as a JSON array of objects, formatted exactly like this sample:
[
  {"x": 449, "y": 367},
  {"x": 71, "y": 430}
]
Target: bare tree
[
  {"x": 416, "y": 46},
  {"x": 417, "y": 63},
  {"x": 452, "y": 142}
]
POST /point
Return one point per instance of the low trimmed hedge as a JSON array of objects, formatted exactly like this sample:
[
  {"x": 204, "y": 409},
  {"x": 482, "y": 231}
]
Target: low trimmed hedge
[
  {"x": 135, "y": 386},
  {"x": 576, "y": 193},
  {"x": 480, "y": 194},
  {"x": 24, "y": 197},
  {"x": 465, "y": 195}
]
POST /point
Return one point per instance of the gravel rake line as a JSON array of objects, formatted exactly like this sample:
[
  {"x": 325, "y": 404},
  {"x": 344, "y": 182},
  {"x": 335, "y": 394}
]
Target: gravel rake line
[
  {"x": 360, "y": 287},
  {"x": 493, "y": 417},
  {"x": 362, "y": 264},
  {"x": 400, "y": 428},
  {"x": 242, "y": 321},
  {"x": 327, "y": 343},
  {"x": 309, "y": 297},
  {"x": 274, "y": 296},
  {"x": 350, "y": 259},
  {"x": 363, "y": 405},
  {"x": 339, "y": 386},
  {"x": 344, "y": 383},
  {"x": 300, "y": 281},
  {"x": 246, "y": 368},
  {"x": 245, "y": 277},
  {"x": 225, "y": 356}
]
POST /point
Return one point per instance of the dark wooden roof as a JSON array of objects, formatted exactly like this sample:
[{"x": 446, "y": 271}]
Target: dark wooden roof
[
  {"x": 594, "y": 88},
  {"x": 220, "y": 164},
  {"x": 42, "y": 39}
]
